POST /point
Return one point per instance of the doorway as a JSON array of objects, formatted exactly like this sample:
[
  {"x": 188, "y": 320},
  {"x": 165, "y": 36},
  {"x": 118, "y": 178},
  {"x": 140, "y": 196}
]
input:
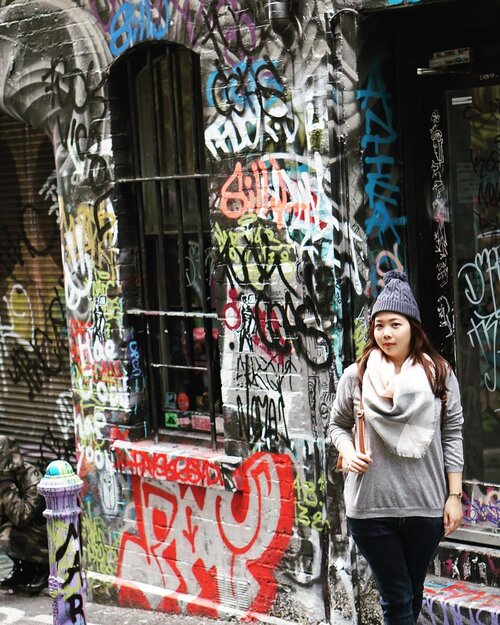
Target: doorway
[
  {"x": 473, "y": 119},
  {"x": 445, "y": 59}
]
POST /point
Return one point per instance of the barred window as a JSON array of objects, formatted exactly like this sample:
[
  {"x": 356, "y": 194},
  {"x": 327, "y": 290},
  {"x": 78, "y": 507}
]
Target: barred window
[{"x": 167, "y": 185}]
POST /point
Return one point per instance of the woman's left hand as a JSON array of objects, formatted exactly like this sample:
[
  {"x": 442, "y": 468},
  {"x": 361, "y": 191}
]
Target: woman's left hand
[{"x": 453, "y": 515}]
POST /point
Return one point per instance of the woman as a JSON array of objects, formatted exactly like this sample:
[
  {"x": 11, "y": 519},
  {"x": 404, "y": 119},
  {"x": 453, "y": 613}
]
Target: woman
[{"x": 404, "y": 493}]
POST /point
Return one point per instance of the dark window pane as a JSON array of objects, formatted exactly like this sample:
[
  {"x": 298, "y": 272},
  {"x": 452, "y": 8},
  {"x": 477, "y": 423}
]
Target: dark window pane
[
  {"x": 179, "y": 346},
  {"x": 166, "y": 120},
  {"x": 177, "y": 277},
  {"x": 183, "y": 86},
  {"x": 151, "y": 278},
  {"x": 150, "y": 208},
  {"x": 190, "y": 204},
  {"x": 171, "y": 275},
  {"x": 144, "y": 95},
  {"x": 475, "y": 176},
  {"x": 193, "y": 273},
  {"x": 205, "y": 216},
  {"x": 171, "y": 209},
  {"x": 188, "y": 390}
]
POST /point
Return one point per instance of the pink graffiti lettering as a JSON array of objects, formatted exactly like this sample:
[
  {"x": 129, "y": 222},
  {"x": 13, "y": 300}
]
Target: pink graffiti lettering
[{"x": 269, "y": 194}]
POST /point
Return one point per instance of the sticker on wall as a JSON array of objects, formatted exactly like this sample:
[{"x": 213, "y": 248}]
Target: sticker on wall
[
  {"x": 170, "y": 400},
  {"x": 171, "y": 420},
  {"x": 183, "y": 401},
  {"x": 200, "y": 422},
  {"x": 184, "y": 421},
  {"x": 444, "y": 58}
]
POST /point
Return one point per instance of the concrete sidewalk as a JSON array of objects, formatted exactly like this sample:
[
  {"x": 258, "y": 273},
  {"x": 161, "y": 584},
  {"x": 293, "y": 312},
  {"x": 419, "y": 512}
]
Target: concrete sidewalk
[{"x": 19, "y": 609}]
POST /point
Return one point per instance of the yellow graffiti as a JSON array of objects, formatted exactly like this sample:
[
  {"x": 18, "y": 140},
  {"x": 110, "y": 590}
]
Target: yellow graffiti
[
  {"x": 21, "y": 316},
  {"x": 360, "y": 336},
  {"x": 98, "y": 554},
  {"x": 310, "y": 504},
  {"x": 112, "y": 307},
  {"x": 91, "y": 238},
  {"x": 389, "y": 258},
  {"x": 251, "y": 231},
  {"x": 59, "y": 539},
  {"x": 254, "y": 252}
]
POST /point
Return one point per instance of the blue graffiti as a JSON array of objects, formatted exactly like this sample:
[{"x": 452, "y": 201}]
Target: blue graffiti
[
  {"x": 381, "y": 189},
  {"x": 135, "y": 22},
  {"x": 381, "y": 219},
  {"x": 393, "y": 2}
]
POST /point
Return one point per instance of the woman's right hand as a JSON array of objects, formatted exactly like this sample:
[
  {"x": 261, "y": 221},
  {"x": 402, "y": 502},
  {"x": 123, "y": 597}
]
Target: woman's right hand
[{"x": 356, "y": 461}]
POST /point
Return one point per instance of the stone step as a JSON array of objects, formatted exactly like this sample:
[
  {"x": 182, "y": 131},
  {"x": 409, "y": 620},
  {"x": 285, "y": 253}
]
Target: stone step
[
  {"x": 449, "y": 601},
  {"x": 468, "y": 563}
]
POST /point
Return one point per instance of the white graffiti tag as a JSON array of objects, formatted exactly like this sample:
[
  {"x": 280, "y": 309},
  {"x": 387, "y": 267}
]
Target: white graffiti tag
[{"x": 482, "y": 290}]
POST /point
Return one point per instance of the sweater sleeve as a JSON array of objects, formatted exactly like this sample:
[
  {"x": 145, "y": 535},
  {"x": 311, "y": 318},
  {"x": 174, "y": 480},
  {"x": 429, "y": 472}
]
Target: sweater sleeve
[
  {"x": 342, "y": 414},
  {"x": 451, "y": 435}
]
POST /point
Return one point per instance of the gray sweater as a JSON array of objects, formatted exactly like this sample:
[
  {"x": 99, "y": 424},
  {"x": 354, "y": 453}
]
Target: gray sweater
[{"x": 395, "y": 486}]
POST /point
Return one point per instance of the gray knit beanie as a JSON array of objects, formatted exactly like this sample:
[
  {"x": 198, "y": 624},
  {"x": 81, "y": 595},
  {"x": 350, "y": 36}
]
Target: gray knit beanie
[{"x": 396, "y": 296}]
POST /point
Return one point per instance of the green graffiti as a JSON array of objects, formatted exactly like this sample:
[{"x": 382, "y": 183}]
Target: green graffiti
[{"x": 99, "y": 551}]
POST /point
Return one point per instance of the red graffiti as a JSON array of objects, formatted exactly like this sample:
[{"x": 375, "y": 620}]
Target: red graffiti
[
  {"x": 231, "y": 312},
  {"x": 77, "y": 339},
  {"x": 118, "y": 434},
  {"x": 462, "y": 592},
  {"x": 91, "y": 360},
  {"x": 190, "y": 533},
  {"x": 190, "y": 542},
  {"x": 161, "y": 465}
]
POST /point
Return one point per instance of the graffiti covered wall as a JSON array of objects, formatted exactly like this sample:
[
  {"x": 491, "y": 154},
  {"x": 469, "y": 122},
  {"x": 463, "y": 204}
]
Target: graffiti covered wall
[
  {"x": 302, "y": 230},
  {"x": 281, "y": 269},
  {"x": 278, "y": 269}
]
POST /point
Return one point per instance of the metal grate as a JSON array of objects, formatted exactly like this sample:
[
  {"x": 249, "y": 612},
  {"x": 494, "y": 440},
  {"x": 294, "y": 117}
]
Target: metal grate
[
  {"x": 177, "y": 321},
  {"x": 36, "y": 406}
]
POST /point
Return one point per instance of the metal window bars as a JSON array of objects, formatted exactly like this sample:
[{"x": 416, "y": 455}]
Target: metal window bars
[{"x": 169, "y": 187}]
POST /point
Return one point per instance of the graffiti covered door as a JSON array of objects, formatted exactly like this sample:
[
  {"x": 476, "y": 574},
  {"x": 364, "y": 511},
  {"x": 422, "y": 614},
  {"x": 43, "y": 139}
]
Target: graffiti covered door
[
  {"x": 474, "y": 169},
  {"x": 35, "y": 390}
]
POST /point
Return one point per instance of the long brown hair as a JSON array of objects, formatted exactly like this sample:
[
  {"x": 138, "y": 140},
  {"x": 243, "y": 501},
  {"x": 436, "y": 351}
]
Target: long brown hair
[{"x": 436, "y": 370}]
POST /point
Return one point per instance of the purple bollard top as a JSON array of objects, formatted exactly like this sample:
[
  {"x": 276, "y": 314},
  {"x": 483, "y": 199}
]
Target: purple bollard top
[
  {"x": 58, "y": 468},
  {"x": 59, "y": 476}
]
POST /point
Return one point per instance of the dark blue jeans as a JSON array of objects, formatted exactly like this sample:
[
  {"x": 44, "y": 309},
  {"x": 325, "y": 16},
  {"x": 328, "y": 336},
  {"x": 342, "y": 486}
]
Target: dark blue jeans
[{"x": 398, "y": 551}]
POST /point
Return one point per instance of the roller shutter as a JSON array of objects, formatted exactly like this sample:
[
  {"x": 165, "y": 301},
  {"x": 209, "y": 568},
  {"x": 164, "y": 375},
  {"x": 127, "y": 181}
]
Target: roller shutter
[{"x": 35, "y": 398}]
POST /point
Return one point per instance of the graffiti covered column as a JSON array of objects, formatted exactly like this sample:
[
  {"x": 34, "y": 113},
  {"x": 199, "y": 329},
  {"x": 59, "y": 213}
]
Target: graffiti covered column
[
  {"x": 57, "y": 83},
  {"x": 276, "y": 239}
]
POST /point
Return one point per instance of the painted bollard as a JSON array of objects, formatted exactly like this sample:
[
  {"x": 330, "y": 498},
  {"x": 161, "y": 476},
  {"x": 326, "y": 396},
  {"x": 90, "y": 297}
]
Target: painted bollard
[{"x": 60, "y": 487}]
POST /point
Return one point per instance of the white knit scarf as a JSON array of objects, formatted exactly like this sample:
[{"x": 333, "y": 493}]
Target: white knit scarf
[{"x": 401, "y": 406}]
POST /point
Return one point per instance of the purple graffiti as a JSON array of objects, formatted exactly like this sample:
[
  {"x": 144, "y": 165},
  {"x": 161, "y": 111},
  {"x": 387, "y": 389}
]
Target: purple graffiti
[{"x": 476, "y": 511}]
